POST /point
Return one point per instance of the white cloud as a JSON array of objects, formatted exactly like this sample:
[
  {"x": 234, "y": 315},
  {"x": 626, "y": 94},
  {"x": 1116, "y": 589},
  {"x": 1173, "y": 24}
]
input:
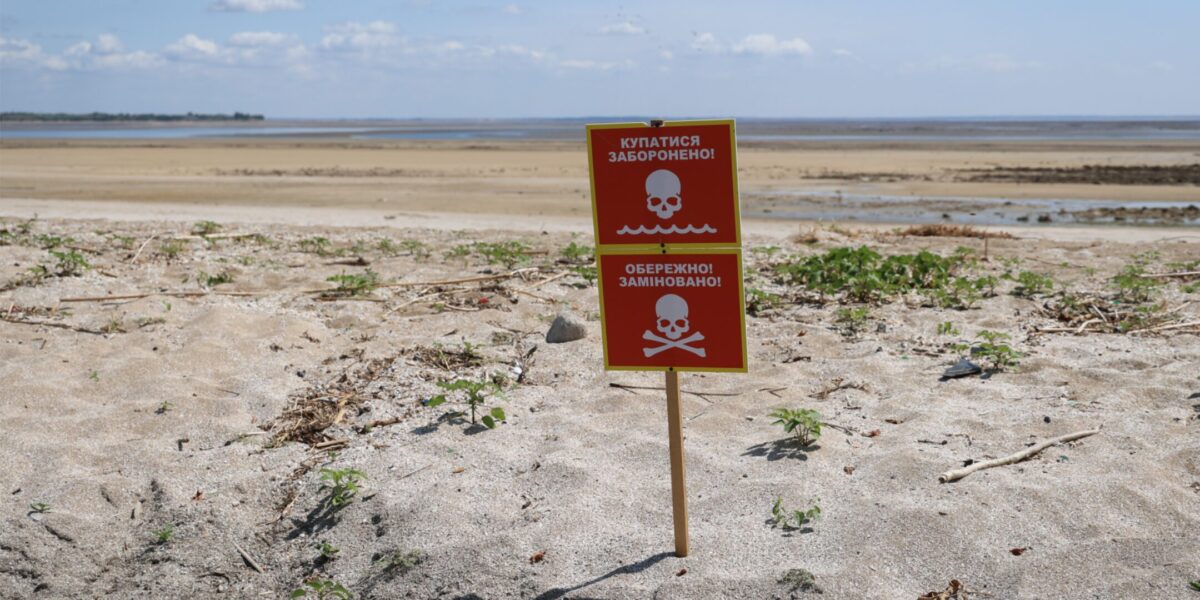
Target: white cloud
[
  {"x": 254, "y": 39},
  {"x": 765, "y": 44},
  {"x": 513, "y": 9},
  {"x": 592, "y": 65},
  {"x": 706, "y": 42},
  {"x": 255, "y": 6},
  {"x": 452, "y": 46},
  {"x": 626, "y": 28},
  {"x": 843, "y": 52},
  {"x": 108, "y": 43},
  {"x": 104, "y": 53},
  {"x": 360, "y": 36},
  {"x": 193, "y": 46}
]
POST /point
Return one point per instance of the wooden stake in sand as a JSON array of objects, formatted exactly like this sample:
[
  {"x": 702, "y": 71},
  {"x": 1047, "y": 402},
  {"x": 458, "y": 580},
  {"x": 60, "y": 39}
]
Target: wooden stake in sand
[
  {"x": 678, "y": 472},
  {"x": 957, "y": 474}
]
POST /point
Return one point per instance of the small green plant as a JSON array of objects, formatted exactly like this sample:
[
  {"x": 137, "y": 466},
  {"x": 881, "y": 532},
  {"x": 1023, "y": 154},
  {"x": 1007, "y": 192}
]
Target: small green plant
[
  {"x": 1132, "y": 284},
  {"x": 991, "y": 347},
  {"x": 94, "y": 375},
  {"x": 853, "y": 320},
  {"x": 947, "y": 328},
  {"x": 209, "y": 281},
  {"x": 577, "y": 253},
  {"x": 1030, "y": 284},
  {"x": 803, "y": 423},
  {"x": 328, "y": 551},
  {"x": 1195, "y": 585},
  {"x": 318, "y": 245},
  {"x": 355, "y": 285},
  {"x": 205, "y": 228},
  {"x": 40, "y": 508},
  {"x": 171, "y": 249},
  {"x": 766, "y": 251},
  {"x": 800, "y": 580},
  {"x": 343, "y": 484},
  {"x": 476, "y": 395},
  {"x": 323, "y": 589},
  {"x": 163, "y": 408},
  {"x": 510, "y": 254},
  {"x": 399, "y": 561},
  {"x": 165, "y": 534},
  {"x": 795, "y": 518},
  {"x": 50, "y": 242},
  {"x": 588, "y": 273},
  {"x": 122, "y": 242},
  {"x": 459, "y": 251},
  {"x": 69, "y": 263},
  {"x": 759, "y": 301}
]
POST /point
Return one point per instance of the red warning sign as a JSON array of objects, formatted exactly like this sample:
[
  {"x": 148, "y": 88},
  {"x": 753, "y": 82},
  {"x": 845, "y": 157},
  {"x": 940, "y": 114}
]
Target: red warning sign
[
  {"x": 674, "y": 184},
  {"x": 680, "y": 311}
]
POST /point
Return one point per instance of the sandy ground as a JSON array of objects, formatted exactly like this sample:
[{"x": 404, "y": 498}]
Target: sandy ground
[{"x": 126, "y": 416}]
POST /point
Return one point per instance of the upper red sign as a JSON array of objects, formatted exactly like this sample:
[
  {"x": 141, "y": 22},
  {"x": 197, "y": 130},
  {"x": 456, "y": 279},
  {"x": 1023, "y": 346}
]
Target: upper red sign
[{"x": 675, "y": 184}]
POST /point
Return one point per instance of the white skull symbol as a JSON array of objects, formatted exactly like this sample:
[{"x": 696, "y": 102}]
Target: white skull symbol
[
  {"x": 672, "y": 316},
  {"x": 662, "y": 193}
]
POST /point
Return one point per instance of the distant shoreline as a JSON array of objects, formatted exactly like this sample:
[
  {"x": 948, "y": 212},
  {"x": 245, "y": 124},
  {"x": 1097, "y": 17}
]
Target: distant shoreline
[{"x": 103, "y": 117}]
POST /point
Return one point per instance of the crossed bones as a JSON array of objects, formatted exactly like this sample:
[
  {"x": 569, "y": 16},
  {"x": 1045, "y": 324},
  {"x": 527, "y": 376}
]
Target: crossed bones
[{"x": 668, "y": 344}]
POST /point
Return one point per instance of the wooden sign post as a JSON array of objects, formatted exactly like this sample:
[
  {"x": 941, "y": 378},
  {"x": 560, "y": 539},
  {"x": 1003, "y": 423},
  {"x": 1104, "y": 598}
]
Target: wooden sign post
[{"x": 668, "y": 250}]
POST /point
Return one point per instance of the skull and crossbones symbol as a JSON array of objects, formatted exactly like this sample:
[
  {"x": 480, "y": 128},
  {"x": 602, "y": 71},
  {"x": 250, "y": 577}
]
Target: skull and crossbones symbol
[
  {"x": 663, "y": 193},
  {"x": 672, "y": 312}
]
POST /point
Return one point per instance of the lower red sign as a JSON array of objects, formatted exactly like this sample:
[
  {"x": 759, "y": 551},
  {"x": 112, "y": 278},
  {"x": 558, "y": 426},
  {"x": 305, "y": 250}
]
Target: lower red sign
[{"x": 673, "y": 311}]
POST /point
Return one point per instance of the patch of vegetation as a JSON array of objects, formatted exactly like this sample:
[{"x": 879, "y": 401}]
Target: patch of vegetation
[
  {"x": 328, "y": 551},
  {"x": 67, "y": 264},
  {"x": 588, "y": 273},
  {"x": 164, "y": 535},
  {"x": 991, "y": 347},
  {"x": 759, "y": 301},
  {"x": 40, "y": 508},
  {"x": 475, "y": 394},
  {"x": 122, "y": 242},
  {"x": 510, "y": 254},
  {"x": 795, "y": 518},
  {"x": 449, "y": 359},
  {"x": 205, "y": 228},
  {"x": 318, "y": 245},
  {"x": 459, "y": 251},
  {"x": 946, "y": 230},
  {"x": 578, "y": 253},
  {"x": 209, "y": 281},
  {"x": 50, "y": 242},
  {"x": 323, "y": 589},
  {"x": 863, "y": 275},
  {"x": 343, "y": 484},
  {"x": 171, "y": 249},
  {"x": 800, "y": 580},
  {"x": 947, "y": 328},
  {"x": 359, "y": 284},
  {"x": 803, "y": 423},
  {"x": 853, "y": 320},
  {"x": 1132, "y": 284},
  {"x": 1030, "y": 284},
  {"x": 399, "y": 561}
]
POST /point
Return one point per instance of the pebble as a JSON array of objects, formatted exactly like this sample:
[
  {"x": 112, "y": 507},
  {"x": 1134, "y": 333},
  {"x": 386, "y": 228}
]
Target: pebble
[{"x": 566, "y": 328}]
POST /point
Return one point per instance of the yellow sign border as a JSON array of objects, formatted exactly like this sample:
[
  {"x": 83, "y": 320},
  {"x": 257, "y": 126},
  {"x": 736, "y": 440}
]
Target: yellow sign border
[
  {"x": 737, "y": 198},
  {"x": 675, "y": 250}
]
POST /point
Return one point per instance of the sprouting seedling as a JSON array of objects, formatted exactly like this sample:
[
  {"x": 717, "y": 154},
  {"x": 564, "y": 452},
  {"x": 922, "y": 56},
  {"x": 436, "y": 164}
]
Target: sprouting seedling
[
  {"x": 163, "y": 408},
  {"x": 328, "y": 551},
  {"x": 165, "y": 534},
  {"x": 947, "y": 328},
  {"x": 796, "y": 518},
  {"x": 205, "y": 228},
  {"x": 1030, "y": 284},
  {"x": 476, "y": 393},
  {"x": 40, "y": 508},
  {"x": 853, "y": 320},
  {"x": 577, "y": 253},
  {"x": 343, "y": 484},
  {"x": 94, "y": 375},
  {"x": 70, "y": 263},
  {"x": 209, "y": 281},
  {"x": 992, "y": 348},
  {"x": 356, "y": 284},
  {"x": 324, "y": 589},
  {"x": 803, "y": 423}
]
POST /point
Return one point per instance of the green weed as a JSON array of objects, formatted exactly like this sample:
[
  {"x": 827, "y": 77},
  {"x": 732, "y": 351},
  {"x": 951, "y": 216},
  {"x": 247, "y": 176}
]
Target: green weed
[
  {"x": 209, "y": 281},
  {"x": 354, "y": 285},
  {"x": 759, "y": 301},
  {"x": 171, "y": 249},
  {"x": 947, "y": 328},
  {"x": 323, "y": 589},
  {"x": 476, "y": 395},
  {"x": 803, "y": 423},
  {"x": 328, "y": 551},
  {"x": 40, "y": 507},
  {"x": 510, "y": 254},
  {"x": 343, "y": 484},
  {"x": 205, "y": 228},
  {"x": 853, "y": 320},
  {"x": 991, "y": 347},
  {"x": 166, "y": 534},
  {"x": 796, "y": 518},
  {"x": 69, "y": 264},
  {"x": 863, "y": 275},
  {"x": 578, "y": 253},
  {"x": 1030, "y": 284}
]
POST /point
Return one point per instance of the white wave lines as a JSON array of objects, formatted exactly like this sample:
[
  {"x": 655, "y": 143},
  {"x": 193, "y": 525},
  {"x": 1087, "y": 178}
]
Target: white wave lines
[{"x": 659, "y": 229}]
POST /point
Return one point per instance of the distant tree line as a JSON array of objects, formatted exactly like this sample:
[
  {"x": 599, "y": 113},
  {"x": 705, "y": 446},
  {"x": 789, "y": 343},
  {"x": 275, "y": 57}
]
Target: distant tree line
[{"x": 100, "y": 116}]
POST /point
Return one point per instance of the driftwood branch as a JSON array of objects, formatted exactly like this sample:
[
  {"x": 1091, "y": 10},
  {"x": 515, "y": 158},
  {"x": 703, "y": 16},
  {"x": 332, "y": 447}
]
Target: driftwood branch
[
  {"x": 957, "y": 474},
  {"x": 253, "y": 564}
]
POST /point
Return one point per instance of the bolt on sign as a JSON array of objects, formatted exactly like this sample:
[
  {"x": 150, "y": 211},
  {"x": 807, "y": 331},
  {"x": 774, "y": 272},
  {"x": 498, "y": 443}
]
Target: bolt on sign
[{"x": 668, "y": 248}]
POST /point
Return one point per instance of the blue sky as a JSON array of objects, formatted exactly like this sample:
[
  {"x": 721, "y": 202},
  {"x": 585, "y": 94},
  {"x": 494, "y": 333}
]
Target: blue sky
[{"x": 470, "y": 58}]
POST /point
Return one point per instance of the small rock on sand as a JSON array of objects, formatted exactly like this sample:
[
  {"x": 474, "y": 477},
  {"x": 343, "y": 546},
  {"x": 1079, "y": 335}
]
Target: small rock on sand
[{"x": 566, "y": 328}]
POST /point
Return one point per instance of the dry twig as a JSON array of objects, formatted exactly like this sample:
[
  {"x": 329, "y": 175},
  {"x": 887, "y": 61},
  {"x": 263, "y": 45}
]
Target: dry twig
[{"x": 957, "y": 474}]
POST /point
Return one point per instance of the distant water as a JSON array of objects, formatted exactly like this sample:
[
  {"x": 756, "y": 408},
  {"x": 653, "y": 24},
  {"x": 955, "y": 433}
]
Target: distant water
[{"x": 749, "y": 130}]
